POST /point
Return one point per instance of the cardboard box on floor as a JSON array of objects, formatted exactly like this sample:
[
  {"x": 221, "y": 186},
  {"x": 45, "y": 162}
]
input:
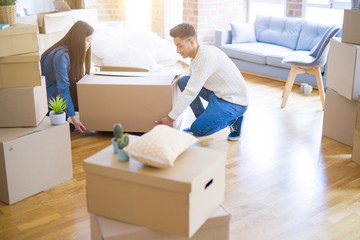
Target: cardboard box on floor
[
  {"x": 351, "y": 29},
  {"x": 343, "y": 74},
  {"x": 215, "y": 227},
  {"x": 20, "y": 71},
  {"x": 56, "y": 21},
  {"x": 339, "y": 118},
  {"x": 23, "y": 107},
  {"x": 356, "y": 147},
  {"x": 175, "y": 200},
  {"x": 33, "y": 160},
  {"x": 135, "y": 102},
  {"x": 18, "y": 39}
]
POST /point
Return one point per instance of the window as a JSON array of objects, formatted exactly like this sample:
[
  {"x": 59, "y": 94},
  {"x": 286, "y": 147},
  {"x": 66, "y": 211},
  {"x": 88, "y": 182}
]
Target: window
[
  {"x": 266, "y": 7},
  {"x": 327, "y": 11}
]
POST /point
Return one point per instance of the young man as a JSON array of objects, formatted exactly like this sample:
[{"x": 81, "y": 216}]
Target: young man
[{"x": 213, "y": 77}]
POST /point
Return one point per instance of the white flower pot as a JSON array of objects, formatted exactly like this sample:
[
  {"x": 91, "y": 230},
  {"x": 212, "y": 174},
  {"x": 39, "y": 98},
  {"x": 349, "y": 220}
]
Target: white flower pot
[{"x": 57, "y": 119}]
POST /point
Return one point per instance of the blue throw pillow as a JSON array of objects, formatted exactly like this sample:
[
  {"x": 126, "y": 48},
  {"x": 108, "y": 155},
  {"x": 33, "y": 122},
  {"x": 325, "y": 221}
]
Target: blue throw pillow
[{"x": 242, "y": 33}]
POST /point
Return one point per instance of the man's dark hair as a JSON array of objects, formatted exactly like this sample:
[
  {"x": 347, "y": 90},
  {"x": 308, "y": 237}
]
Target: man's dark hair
[{"x": 183, "y": 31}]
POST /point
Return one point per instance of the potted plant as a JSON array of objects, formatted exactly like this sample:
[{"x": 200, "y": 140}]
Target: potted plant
[
  {"x": 120, "y": 141},
  {"x": 57, "y": 114},
  {"x": 8, "y": 12}
]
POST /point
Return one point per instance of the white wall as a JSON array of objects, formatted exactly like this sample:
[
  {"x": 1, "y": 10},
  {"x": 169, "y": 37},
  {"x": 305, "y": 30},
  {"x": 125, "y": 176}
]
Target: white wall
[{"x": 34, "y": 6}]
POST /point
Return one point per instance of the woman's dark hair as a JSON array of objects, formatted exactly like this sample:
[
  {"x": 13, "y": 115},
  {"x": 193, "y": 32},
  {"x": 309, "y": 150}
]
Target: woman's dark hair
[
  {"x": 183, "y": 31},
  {"x": 74, "y": 41}
]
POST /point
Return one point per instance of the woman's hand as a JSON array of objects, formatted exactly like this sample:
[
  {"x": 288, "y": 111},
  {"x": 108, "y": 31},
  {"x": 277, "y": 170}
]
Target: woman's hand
[{"x": 78, "y": 125}]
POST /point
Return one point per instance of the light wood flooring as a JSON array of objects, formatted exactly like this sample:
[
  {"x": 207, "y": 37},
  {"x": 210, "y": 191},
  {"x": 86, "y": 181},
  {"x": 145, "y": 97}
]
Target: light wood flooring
[{"x": 284, "y": 180}]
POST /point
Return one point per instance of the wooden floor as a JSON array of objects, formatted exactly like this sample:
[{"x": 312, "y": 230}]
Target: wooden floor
[{"x": 283, "y": 179}]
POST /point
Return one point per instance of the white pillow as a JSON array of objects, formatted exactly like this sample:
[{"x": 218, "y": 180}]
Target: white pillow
[
  {"x": 160, "y": 146},
  {"x": 242, "y": 33}
]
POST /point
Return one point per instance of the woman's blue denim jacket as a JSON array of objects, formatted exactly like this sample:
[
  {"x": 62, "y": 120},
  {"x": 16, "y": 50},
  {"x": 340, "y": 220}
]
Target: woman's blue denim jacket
[{"x": 57, "y": 79}]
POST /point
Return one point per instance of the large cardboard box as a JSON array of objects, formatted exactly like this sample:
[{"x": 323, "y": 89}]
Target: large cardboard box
[
  {"x": 57, "y": 21},
  {"x": 18, "y": 39},
  {"x": 20, "y": 71},
  {"x": 351, "y": 29},
  {"x": 47, "y": 40},
  {"x": 339, "y": 118},
  {"x": 176, "y": 200},
  {"x": 23, "y": 107},
  {"x": 216, "y": 227},
  {"x": 343, "y": 74},
  {"x": 33, "y": 160},
  {"x": 135, "y": 102}
]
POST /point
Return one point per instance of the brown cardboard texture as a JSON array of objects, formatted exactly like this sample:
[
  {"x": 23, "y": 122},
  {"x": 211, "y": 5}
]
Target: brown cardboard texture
[
  {"x": 33, "y": 160},
  {"x": 176, "y": 200},
  {"x": 215, "y": 227},
  {"x": 135, "y": 102},
  {"x": 20, "y": 71},
  {"x": 344, "y": 69},
  {"x": 339, "y": 118},
  {"x": 351, "y": 29},
  {"x": 56, "y": 21},
  {"x": 23, "y": 107},
  {"x": 18, "y": 39},
  {"x": 356, "y": 148}
]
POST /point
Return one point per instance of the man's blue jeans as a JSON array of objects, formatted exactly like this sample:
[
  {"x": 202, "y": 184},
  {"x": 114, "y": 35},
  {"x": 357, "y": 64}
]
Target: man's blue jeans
[{"x": 218, "y": 114}]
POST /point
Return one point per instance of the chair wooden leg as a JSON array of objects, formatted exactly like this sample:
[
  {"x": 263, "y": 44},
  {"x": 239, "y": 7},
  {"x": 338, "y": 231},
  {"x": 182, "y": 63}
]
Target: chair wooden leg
[
  {"x": 288, "y": 85},
  {"x": 316, "y": 71}
]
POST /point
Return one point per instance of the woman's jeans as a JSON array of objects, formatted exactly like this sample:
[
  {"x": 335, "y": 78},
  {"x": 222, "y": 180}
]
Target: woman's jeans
[{"x": 218, "y": 114}]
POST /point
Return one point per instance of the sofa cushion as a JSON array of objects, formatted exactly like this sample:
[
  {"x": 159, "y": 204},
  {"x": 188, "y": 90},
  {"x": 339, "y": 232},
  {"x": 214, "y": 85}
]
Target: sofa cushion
[
  {"x": 310, "y": 35},
  {"x": 253, "y": 52},
  {"x": 242, "y": 33},
  {"x": 278, "y": 30},
  {"x": 275, "y": 59}
]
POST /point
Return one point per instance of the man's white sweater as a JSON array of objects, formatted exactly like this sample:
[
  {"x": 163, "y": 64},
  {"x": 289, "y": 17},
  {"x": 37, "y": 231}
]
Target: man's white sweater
[{"x": 212, "y": 69}]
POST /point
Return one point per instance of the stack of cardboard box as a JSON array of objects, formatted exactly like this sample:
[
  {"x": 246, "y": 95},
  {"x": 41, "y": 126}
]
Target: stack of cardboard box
[
  {"x": 34, "y": 155},
  {"x": 343, "y": 82},
  {"x": 128, "y": 200}
]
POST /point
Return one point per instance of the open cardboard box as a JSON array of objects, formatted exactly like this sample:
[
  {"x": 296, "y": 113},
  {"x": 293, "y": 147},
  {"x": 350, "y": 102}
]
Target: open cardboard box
[{"x": 56, "y": 21}]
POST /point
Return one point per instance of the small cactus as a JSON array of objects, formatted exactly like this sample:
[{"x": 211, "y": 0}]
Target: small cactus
[{"x": 122, "y": 139}]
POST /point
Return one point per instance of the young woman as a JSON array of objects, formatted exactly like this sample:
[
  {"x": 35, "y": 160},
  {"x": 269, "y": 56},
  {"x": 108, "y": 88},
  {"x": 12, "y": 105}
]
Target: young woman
[{"x": 65, "y": 63}]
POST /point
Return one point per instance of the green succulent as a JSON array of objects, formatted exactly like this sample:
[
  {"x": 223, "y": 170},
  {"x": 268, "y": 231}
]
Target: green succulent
[
  {"x": 121, "y": 138},
  {"x": 7, "y": 2},
  {"x": 58, "y": 105}
]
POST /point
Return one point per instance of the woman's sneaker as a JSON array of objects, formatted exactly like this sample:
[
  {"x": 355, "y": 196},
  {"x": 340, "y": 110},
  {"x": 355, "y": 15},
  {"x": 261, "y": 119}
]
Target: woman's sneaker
[{"x": 235, "y": 128}]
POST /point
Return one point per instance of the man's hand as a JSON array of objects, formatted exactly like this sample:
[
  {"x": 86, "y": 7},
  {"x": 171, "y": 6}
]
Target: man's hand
[
  {"x": 78, "y": 125},
  {"x": 166, "y": 121}
]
